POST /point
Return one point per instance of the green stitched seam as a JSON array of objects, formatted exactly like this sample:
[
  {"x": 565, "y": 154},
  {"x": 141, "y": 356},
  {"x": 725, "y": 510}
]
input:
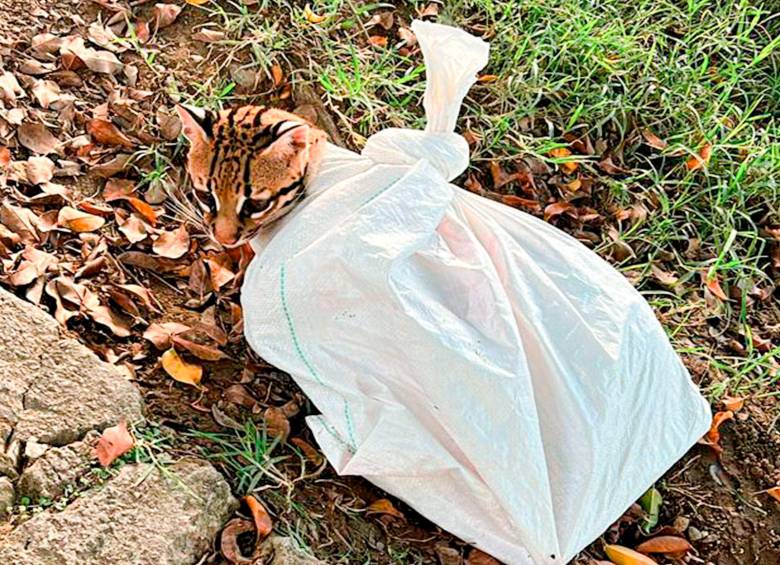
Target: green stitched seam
[{"x": 352, "y": 446}]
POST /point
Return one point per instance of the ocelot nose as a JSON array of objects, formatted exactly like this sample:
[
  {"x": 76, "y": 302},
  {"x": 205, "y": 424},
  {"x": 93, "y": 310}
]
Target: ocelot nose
[{"x": 225, "y": 231}]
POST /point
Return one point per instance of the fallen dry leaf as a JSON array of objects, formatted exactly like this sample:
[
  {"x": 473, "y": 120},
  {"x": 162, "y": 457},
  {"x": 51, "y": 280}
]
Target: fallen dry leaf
[
  {"x": 180, "y": 370},
  {"x": 518, "y": 202},
  {"x": 556, "y": 209},
  {"x": 487, "y": 78},
  {"x": 407, "y": 36},
  {"x": 146, "y": 211},
  {"x": 37, "y": 138},
  {"x": 114, "y": 442},
  {"x": 713, "y": 435},
  {"x": 263, "y": 523},
  {"x": 209, "y": 35},
  {"x": 564, "y": 153},
  {"x": 620, "y": 555},
  {"x": 172, "y": 244},
  {"x": 39, "y": 169},
  {"x": 218, "y": 273},
  {"x": 383, "y": 506},
  {"x": 5, "y": 157},
  {"x": 116, "y": 189},
  {"x": 133, "y": 228},
  {"x": 377, "y": 41},
  {"x": 228, "y": 544},
  {"x": 205, "y": 352},
  {"x": 701, "y": 160},
  {"x": 78, "y": 221},
  {"x": 477, "y": 557},
  {"x": 161, "y": 334},
  {"x": 308, "y": 451},
  {"x": 238, "y": 394},
  {"x": 733, "y": 403},
  {"x": 74, "y": 52},
  {"x": 106, "y": 133},
  {"x": 311, "y": 17},
  {"x": 276, "y": 74},
  {"x": 276, "y": 423},
  {"x": 665, "y": 544},
  {"x": 46, "y": 92},
  {"x": 774, "y": 492},
  {"x": 713, "y": 285},
  {"x": 653, "y": 140},
  {"x": 153, "y": 263},
  {"x": 165, "y": 14},
  {"x": 10, "y": 89},
  {"x": 385, "y": 20}
]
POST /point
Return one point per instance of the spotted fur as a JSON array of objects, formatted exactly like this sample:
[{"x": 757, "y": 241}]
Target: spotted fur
[{"x": 249, "y": 166}]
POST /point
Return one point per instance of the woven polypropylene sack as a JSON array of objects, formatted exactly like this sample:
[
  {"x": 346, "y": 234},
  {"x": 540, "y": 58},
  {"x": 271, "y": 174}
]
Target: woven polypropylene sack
[{"x": 468, "y": 358}]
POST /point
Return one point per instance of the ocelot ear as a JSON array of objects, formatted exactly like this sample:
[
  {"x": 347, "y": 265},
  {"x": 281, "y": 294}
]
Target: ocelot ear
[
  {"x": 292, "y": 139},
  {"x": 196, "y": 122},
  {"x": 197, "y": 126}
]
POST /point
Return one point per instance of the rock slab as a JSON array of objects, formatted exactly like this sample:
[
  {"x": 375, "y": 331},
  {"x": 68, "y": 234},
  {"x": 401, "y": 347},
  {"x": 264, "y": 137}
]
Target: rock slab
[
  {"x": 53, "y": 388},
  {"x": 141, "y": 517}
]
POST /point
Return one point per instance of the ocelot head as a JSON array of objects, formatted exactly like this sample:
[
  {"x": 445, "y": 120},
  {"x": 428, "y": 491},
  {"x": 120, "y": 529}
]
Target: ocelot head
[{"x": 249, "y": 166}]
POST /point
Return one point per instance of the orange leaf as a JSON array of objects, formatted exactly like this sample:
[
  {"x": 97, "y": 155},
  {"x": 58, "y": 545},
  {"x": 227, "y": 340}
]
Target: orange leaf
[
  {"x": 383, "y": 506},
  {"x": 5, "y": 157},
  {"x": 665, "y": 544},
  {"x": 114, "y": 442},
  {"x": 308, "y": 451},
  {"x": 623, "y": 556},
  {"x": 378, "y": 41},
  {"x": 263, "y": 524},
  {"x": 144, "y": 209},
  {"x": 713, "y": 435},
  {"x": 277, "y": 74},
  {"x": 106, "y": 133},
  {"x": 713, "y": 285},
  {"x": 78, "y": 221},
  {"x": 774, "y": 492},
  {"x": 563, "y": 153},
  {"x": 197, "y": 2},
  {"x": 487, "y": 78},
  {"x": 477, "y": 557},
  {"x": 180, "y": 370},
  {"x": 698, "y": 161},
  {"x": 733, "y": 403}
]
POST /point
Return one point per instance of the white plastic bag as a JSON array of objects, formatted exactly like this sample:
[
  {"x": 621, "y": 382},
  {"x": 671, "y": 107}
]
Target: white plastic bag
[{"x": 470, "y": 359}]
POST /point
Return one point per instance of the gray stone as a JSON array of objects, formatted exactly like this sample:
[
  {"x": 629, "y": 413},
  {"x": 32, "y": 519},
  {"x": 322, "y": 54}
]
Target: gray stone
[
  {"x": 33, "y": 450},
  {"x": 140, "y": 517},
  {"x": 284, "y": 551},
  {"x": 48, "y": 475},
  {"x": 7, "y": 495},
  {"x": 52, "y": 387}
]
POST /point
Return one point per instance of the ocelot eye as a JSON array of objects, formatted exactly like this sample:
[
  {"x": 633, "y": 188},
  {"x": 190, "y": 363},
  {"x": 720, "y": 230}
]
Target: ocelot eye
[{"x": 256, "y": 208}]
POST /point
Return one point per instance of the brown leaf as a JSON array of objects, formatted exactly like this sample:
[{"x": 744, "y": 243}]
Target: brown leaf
[
  {"x": 665, "y": 544},
  {"x": 5, "y": 157},
  {"x": 46, "y": 92},
  {"x": 111, "y": 167},
  {"x": 484, "y": 79},
  {"x": 228, "y": 544},
  {"x": 105, "y": 316},
  {"x": 384, "y": 20},
  {"x": 114, "y": 442},
  {"x": 117, "y": 189},
  {"x": 20, "y": 221},
  {"x": 152, "y": 263},
  {"x": 209, "y": 36},
  {"x": 161, "y": 334},
  {"x": 276, "y": 424},
  {"x": 430, "y": 11},
  {"x": 172, "y": 244},
  {"x": 220, "y": 275},
  {"x": 238, "y": 394},
  {"x": 407, "y": 36},
  {"x": 263, "y": 524},
  {"x": 277, "y": 74},
  {"x": 205, "y": 352},
  {"x": 733, "y": 403},
  {"x": 165, "y": 14},
  {"x": 610, "y": 167},
  {"x": 74, "y": 51},
  {"x": 180, "y": 370},
  {"x": 308, "y": 451},
  {"x": 10, "y": 89},
  {"x": 477, "y": 557},
  {"x": 78, "y": 221},
  {"x": 701, "y": 160},
  {"x": 106, "y": 133},
  {"x": 653, "y": 140},
  {"x": 500, "y": 176},
  {"x": 37, "y": 138},
  {"x": 39, "y": 170},
  {"x": 384, "y": 506},
  {"x": 518, "y": 202},
  {"x": 774, "y": 492},
  {"x": 133, "y": 228},
  {"x": 556, "y": 209}
]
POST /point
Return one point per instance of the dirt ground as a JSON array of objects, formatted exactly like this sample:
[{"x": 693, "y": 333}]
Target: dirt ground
[{"x": 718, "y": 503}]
